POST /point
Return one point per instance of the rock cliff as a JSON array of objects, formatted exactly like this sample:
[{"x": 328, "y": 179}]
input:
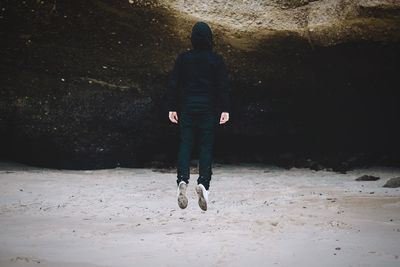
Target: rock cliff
[{"x": 83, "y": 82}]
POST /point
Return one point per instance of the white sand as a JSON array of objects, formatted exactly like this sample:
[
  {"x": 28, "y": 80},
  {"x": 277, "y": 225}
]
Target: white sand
[{"x": 258, "y": 216}]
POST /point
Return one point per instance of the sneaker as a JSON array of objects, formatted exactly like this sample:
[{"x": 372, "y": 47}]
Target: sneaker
[
  {"x": 203, "y": 196},
  {"x": 182, "y": 198}
]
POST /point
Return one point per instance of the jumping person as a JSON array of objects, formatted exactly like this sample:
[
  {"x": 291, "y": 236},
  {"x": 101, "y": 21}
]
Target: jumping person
[{"x": 198, "y": 93}]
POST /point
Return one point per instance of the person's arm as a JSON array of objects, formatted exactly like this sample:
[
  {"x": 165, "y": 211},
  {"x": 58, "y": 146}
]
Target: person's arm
[
  {"x": 223, "y": 91},
  {"x": 173, "y": 91}
]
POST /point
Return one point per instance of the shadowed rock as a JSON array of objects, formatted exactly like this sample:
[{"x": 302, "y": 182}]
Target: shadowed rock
[
  {"x": 368, "y": 178},
  {"x": 83, "y": 82},
  {"x": 393, "y": 183}
]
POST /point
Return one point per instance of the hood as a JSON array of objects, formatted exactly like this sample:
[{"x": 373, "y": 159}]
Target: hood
[{"x": 202, "y": 36}]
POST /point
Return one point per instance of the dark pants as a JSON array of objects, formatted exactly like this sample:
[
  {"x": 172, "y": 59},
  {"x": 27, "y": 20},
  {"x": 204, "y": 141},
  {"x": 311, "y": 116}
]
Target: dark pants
[{"x": 194, "y": 126}]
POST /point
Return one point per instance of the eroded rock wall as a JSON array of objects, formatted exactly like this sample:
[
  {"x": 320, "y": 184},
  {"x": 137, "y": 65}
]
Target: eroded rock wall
[{"x": 83, "y": 82}]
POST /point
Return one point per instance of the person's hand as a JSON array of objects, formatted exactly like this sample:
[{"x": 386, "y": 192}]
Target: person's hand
[
  {"x": 224, "y": 117},
  {"x": 173, "y": 116}
]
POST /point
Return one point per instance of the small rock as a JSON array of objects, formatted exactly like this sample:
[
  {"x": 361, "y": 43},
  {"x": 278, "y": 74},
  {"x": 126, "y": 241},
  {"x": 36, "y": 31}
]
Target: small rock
[
  {"x": 368, "y": 178},
  {"x": 393, "y": 183}
]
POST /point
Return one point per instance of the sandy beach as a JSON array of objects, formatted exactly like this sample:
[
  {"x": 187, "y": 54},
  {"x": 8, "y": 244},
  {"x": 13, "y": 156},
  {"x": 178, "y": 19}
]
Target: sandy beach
[{"x": 258, "y": 216}]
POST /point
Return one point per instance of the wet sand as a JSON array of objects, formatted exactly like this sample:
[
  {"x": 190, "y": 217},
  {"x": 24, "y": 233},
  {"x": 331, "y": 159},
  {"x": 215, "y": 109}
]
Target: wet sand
[{"x": 258, "y": 216}]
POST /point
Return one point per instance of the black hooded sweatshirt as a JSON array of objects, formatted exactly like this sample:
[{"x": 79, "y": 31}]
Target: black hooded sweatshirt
[{"x": 199, "y": 80}]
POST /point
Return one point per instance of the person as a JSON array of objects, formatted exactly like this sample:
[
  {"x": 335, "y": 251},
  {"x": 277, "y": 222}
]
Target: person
[{"x": 198, "y": 98}]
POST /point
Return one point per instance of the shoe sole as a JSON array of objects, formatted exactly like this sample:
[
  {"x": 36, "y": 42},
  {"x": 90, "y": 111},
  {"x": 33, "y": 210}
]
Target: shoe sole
[
  {"x": 182, "y": 198},
  {"x": 202, "y": 201}
]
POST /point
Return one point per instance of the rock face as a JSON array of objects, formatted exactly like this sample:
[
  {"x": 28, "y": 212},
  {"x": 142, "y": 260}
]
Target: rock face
[
  {"x": 393, "y": 183},
  {"x": 291, "y": 15},
  {"x": 83, "y": 82},
  {"x": 325, "y": 22},
  {"x": 368, "y": 178}
]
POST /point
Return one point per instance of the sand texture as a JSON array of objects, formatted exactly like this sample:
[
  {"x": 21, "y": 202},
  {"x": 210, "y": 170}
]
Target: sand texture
[{"x": 257, "y": 216}]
